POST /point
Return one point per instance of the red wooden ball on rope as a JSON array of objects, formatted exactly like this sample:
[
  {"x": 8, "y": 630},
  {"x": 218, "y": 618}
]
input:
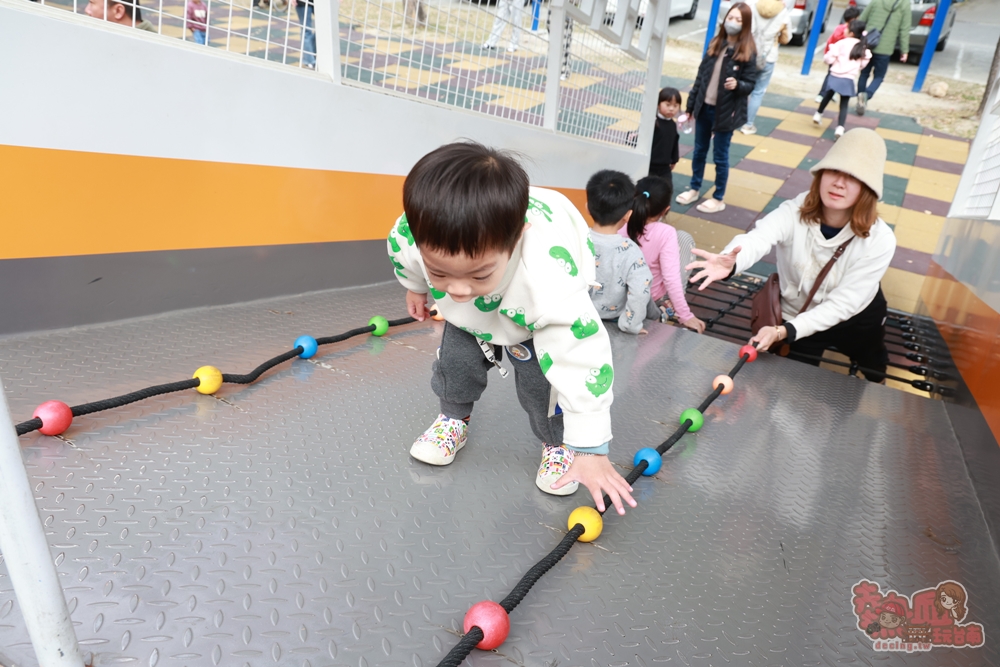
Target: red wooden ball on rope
[
  {"x": 56, "y": 417},
  {"x": 492, "y": 619},
  {"x": 750, "y": 351}
]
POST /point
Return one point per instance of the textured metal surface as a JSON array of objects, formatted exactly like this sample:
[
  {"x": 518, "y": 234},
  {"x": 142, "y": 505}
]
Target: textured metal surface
[{"x": 284, "y": 523}]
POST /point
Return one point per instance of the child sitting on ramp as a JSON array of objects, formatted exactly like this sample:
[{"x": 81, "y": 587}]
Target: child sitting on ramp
[{"x": 509, "y": 265}]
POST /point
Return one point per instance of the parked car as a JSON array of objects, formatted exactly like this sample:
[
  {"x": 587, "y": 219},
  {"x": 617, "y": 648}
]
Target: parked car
[
  {"x": 922, "y": 19},
  {"x": 685, "y": 9},
  {"x": 801, "y": 11}
]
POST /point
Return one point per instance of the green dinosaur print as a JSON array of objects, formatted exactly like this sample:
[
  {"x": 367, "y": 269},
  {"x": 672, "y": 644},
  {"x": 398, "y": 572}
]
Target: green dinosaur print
[
  {"x": 399, "y": 267},
  {"x": 600, "y": 379},
  {"x": 561, "y": 255},
  {"x": 478, "y": 334},
  {"x": 584, "y": 326},
  {"x": 538, "y": 206},
  {"x": 403, "y": 229},
  {"x": 393, "y": 243},
  {"x": 438, "y": 295},
  {"x": 488, "y": 303},
  {"x": 517, "y": 317},
  {"x": 544, "y": 360},
  {"x": 590, "y": 244}
]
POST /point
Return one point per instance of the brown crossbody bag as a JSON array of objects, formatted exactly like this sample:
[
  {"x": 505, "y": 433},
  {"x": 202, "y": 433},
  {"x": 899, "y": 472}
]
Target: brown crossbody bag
[{"x": 765, "y": 310}]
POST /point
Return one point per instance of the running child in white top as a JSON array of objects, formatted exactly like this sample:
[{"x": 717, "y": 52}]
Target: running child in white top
[
  {"x": 623, "y": 292},
  {"x": 509, "y": 265}
]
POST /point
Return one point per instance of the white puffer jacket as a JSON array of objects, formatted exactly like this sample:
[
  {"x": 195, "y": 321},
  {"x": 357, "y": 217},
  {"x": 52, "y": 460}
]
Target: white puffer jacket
[{"x": 803, "y": 252}]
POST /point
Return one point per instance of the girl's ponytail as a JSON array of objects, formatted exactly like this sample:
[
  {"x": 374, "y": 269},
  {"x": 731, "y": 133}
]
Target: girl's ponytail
[
  {"x": 857, "y": 28},
  {"x": 640, "y": 214}
]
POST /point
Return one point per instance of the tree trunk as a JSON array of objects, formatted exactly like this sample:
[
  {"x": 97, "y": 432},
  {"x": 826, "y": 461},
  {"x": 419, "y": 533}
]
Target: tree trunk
[{"x": 991, "y": 81}]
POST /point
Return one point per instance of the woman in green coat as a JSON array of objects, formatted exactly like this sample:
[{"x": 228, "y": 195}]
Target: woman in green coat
[{"x": 892, "y": 18}]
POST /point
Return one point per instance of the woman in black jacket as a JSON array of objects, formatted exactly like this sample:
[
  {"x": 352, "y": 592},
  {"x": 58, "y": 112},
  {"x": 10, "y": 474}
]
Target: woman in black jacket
[{"x": 718, "y": 102}]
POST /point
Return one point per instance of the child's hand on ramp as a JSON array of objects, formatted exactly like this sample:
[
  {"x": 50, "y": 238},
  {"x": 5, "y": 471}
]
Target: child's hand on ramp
[{"x": 597, "y": 474}]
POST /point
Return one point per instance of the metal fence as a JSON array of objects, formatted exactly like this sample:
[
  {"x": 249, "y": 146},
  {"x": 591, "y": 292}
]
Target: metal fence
[
  {"x": 490, "y": 59},
  {"x": 270, "y": 31}
]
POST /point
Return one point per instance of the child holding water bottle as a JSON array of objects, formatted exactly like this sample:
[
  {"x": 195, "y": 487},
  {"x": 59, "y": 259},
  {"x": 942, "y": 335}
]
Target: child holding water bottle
[{"x": 663, "y": 155}]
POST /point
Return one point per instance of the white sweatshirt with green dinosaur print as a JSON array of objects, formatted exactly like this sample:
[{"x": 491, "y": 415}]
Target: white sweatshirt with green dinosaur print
[{"x": 543, "y": 296}]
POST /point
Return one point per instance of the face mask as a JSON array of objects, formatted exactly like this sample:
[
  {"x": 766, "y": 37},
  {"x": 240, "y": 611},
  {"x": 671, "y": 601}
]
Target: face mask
[{"x": 732, "y": 27}]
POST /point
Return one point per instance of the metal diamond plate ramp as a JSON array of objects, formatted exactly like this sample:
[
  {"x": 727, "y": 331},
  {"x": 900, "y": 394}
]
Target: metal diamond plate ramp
[{"x": 284, "y": 523}]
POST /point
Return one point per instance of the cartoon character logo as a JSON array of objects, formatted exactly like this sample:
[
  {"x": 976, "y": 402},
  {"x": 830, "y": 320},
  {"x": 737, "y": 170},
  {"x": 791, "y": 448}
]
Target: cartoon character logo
[
  {"x": 561, "y": 255},
  {"x": 599, "y": 380},
  {"x": 916, "y": 623},
  {"x": 402, "y": 230},
  {"x": 399, "y": 267},
  {"x": 544, "y": 360},
  {"x": 488, "y": 303},
  {"x": 538, "y": 207},
  {"x": 478, "y": 334},
  {"x": 519, "y": 352},
  {"x": 517, "y": 317},
  {"x": 437, "y": 294},
  {"x": 584, "y": 326}
]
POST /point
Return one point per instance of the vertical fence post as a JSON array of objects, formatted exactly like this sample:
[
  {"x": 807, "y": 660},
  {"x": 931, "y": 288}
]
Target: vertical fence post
[
  {"x": 328, "y": 38},
  {"x": 654, "y": 71},
  {"x": 29, "y": 561},
  {"x": 713, "y": 21},
  {"x": 930, "y": 45},
  {"x": 818, "y": 17},
  {"x": 536, "y": 10},
  {"x": 557, "y": 34}
]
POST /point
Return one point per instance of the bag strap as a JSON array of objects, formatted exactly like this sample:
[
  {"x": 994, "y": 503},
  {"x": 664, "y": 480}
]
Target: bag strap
[
  {"x": 887, "y": 18},
  {"x": 826, "y": 269}
]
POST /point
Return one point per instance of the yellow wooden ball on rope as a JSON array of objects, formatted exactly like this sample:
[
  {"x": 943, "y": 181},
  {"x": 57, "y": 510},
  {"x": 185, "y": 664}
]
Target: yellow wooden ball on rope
[
  {"x": 211, "y": 379},
  {"x": 592, "y": 521}
]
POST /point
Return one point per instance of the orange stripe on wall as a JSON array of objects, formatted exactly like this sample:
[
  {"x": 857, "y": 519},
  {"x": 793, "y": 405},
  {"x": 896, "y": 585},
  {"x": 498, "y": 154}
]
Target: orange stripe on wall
[
  {"x": 971, "y": 328},
  {"x": 58, "y": 203}
]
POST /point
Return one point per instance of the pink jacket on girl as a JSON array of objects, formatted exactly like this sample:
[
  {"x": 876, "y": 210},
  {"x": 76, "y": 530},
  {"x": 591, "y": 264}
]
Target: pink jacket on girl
[{"x": 839, "y": 59}]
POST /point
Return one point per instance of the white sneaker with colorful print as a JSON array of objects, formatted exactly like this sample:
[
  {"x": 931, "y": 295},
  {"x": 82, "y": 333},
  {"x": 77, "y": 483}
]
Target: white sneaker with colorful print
[
  {"x": 556, "y": 460},
  {"x": 439, "y": 444}
]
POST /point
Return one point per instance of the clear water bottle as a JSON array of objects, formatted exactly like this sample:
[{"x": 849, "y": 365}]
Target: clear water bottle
[{"x": 686, "y": 123}]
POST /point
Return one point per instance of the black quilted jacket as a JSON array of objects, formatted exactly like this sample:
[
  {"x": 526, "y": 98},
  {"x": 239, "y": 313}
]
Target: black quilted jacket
[{"x": 731, "y": 105}]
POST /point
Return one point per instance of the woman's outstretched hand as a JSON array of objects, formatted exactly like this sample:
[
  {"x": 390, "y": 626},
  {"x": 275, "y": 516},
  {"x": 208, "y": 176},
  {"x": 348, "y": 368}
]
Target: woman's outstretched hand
[{"x": 712, "y": 267}]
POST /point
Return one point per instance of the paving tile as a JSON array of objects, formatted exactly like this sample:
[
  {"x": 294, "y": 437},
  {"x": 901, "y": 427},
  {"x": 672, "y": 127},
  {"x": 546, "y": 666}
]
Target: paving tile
[
  {"x": 744, "y": 197},
  {"x": 898, "y": 169},
  {"x": 708, "y": 235},
  {"x": 938, "y": 165},
  {"x": 911, "y": 259},
  {"x": 897, "y": 135},
  {"x": 799, "y": 182},
  {"x": 784, "y": 102},
  {"x": 893, "y": 190},
  {"x": 765, "y": 168},
  {"x": 947, "y": 150},
  {"x": 752, "y": 181},
  {"x": 918, "y": 203},
  {"x": 902, "y": 123},
  {"x": 774, "y": 113},
  {"x": 897, "y": 151},
  {"x": 933, "y": 184}
]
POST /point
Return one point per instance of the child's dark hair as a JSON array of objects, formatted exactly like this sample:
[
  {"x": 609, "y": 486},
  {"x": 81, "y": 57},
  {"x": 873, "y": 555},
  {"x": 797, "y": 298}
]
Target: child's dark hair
[
  {"x": 850, "y": 14},
  {"x": 609, "y": 196},
  {"x": 669, "y": 95},
  {"x": 652, "y": 197},
  {"x": 466, "y": 198},
  {"x": 857, "y": 28}
]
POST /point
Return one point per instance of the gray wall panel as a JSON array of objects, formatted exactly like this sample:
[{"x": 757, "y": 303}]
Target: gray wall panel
[{"x": 53, "y": 292}]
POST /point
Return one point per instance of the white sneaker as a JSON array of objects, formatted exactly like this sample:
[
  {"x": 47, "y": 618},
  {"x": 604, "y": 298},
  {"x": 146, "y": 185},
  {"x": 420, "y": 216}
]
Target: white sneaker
[
  {"x": 687, "y": 197},
  {"x": 511, "y": 49},
  {"x": 817, "y": 118},
  {"x": 439, "y": 444},
  {"x": 712, "y": 205},
  {"x": 749, "y": 129},
  {"x": 556, "y": 460},
  {"x": 838, "y": 133},
  {"x": 487, "y": 46},
  {"x": 819, "y": 98}
]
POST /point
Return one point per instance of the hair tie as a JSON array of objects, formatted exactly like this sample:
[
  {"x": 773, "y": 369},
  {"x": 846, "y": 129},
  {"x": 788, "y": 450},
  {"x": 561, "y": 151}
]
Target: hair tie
[{"x": 645, "y": 193}]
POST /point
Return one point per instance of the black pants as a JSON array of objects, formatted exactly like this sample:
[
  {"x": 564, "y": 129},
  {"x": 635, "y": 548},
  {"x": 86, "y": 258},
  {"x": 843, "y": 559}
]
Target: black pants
[
  {"x": 844, "y": 104},
  {"x": 861, "y": 338}
]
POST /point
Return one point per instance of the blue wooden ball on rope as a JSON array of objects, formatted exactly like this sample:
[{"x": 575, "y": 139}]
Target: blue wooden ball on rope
[
  {"x": 308, "y": 345},
  {"x": 651, "y": 457}
]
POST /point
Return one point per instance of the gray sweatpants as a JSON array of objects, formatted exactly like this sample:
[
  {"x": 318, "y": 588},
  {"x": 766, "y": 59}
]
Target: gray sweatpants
[{"x": 460, "y": 375}]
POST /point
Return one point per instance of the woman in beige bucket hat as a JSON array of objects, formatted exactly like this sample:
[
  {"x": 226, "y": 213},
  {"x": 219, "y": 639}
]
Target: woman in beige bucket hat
[{"x": 848, "y": 311}]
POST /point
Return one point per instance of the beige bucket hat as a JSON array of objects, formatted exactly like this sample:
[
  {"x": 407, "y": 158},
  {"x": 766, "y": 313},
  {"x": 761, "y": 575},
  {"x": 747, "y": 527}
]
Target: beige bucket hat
[{"x": 860, "y": 153}]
